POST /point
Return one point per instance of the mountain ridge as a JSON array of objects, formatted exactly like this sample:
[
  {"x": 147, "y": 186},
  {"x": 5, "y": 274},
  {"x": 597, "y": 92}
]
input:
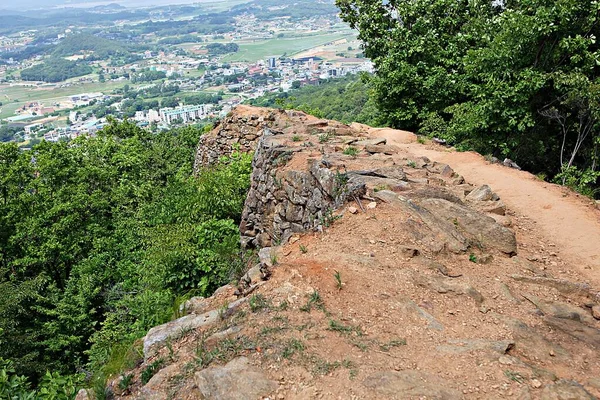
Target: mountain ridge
[{"x": 383, "y": 273}]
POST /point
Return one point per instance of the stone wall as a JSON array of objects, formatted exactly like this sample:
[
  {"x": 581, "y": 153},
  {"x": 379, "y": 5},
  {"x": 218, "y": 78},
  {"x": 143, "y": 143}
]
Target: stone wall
[
  {"x": 239, "y": 131},
  {"x": 283, "y": 201}
]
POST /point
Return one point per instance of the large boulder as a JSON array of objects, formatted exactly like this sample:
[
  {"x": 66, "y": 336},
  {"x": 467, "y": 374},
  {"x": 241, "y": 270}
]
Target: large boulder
[
  {"x": 236, "y": 380},
  {"x": 479, "y": 228},
  {"x": 410, "y": 384},
  {"x": 566, "y": 390},
  {"x": 159, "y": 335}
]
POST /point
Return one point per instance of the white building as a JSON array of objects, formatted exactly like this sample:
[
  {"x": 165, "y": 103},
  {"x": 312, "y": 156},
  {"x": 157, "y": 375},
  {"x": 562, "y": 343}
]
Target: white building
[{"x": 185, "y": 113}]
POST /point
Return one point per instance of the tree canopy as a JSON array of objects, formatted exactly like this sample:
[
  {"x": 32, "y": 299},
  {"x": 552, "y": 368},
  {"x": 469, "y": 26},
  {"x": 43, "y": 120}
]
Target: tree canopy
[
  {"x": 516, "y": 78},
  {"x": 99, "y": 237}
]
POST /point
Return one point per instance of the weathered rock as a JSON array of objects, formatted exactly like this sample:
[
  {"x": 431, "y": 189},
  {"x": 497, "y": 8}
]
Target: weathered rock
[
  {"x": 596, "y": 312},
  {"x": 367, "y": 142},
  {"x": 85, "y": 394},
  {"x": 385, "y": 149},
  {"x": 565, "y": 390},
  {"x": 510, "y": 163},
  {"x": 408, "y": 251},
  {"x": 482, "y": 193},
  {"x": 410, "y": 384},
  {"x": 158, "y": 336},
  {"x": 375, "y": 184},
  {"x": 265, "y": 255},
  {"x": 236, "y": 380},
  {"x": 445, "y": 285},
  {"x": 195, "y": 305},
  {"x": 156, "y": 387},
  {"x": 458, "y": 346},
  {"x": 410, "y": 308},
  {"x": 387, "y": 196},
  {"x": 560, "y": 310},
  {"x": 391, "y": 172},
  {"x": 565, "y": 287},
  {"x": 578, "y": 330},
  {"x": 531, "y": 342},
  {"x": 432, "y": 192},
  {"x": 492, "y": 207},
  {"x": 479, "y": 227}
]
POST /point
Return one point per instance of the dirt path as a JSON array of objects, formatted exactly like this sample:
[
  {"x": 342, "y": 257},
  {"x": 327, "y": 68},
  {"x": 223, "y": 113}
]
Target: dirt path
[{"x": 561, "y": 216}]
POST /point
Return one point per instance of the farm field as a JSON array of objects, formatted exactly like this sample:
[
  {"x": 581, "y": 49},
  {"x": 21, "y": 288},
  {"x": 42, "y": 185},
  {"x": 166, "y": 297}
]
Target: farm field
[
  {"x": 257, "y": 50},
  {"x": 16, "y": 96}
]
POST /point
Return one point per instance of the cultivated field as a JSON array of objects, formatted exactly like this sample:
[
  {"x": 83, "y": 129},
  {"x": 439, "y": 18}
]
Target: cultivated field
[{"x": 257, "y": 50}]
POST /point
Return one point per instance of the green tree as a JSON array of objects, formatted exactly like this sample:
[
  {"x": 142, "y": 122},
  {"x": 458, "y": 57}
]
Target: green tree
[{"x": 514, "y": 78}]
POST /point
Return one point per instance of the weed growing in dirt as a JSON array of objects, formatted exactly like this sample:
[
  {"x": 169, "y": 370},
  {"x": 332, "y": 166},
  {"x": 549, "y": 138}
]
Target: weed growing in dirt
[
  {"x": 344, "y": 329},
  {"x": 224, "y": 351},
  {"x": 351, "y": 151},
  {"x": 292, "y": 347},
  {"x": 303, "y": 249},
  {"x": 296, "y": 138},
  {"x": 379, "y": 188},
  {"x": 421, "y": 139},
  {"x": 338, "y": 280},
  {"x": 323, "y": 367},
  {"x": 325, "y": 137},
  {"x": 411, "y": 164},
  {"x": 223, "y": 311},
  {"x": 151, "y": 370},
  {"x": 472, "y": 258},
  {"x": 314, "y": 300},
  {"x": 391, "y": 344},
  {"x": 328, "y": 218},
  {"x": 274, "y": 260},
  {"x": 125, "y": 382},
  {"x": 514, "y": 376},
  {"x": 258, "y": 302},
  {"x": 169, "y": 345}
]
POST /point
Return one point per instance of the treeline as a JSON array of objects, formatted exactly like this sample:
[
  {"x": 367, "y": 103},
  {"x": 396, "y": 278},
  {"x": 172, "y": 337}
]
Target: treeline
[
  {"x": 517, "y": 79},
  {"x": 181, "y": 39},
  {"x": 147, "y": 75},
  {"x": 55, "y": 69},
  {"x": 8, "y": 134},
  {"x": 99, "y": 48},
  {"x": 294, "y": 9},
  {"x": 100, "y": 237},
  {"x": 220, "y": 48},
  {"x": 102, "y": 48},
  {"x": 346, "y": 100}
]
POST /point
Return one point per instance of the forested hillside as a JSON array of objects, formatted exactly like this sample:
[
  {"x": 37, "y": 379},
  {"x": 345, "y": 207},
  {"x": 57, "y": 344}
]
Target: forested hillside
[
  {"x": 55, "y": 69},
  {"x": 347, "y": 100},
  {"x": 100, "y": 238}
]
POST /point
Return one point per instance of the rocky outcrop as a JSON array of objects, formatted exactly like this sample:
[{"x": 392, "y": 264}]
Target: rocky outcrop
[
  {"x": 304, "y": 169},
  {"x": 237, "y": 379},
  {"x": 380, "y": 274},
  {"x": 238, "y": 131},
  {"x": 284, "y": 201}
]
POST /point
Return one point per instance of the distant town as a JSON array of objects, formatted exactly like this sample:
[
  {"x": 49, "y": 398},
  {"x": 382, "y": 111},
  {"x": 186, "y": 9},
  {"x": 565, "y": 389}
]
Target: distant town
[{"x": 160, "y": 80}]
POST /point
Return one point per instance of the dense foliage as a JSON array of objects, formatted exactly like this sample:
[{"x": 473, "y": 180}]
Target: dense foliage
[
  {"x": 99, "y": 236},
  {"x": 55, "y": 69},
  {"x": 514, "y": 78},
  {"x": 7, "y": 133},
  {"x": 100, "y": 48},
  {"x": 346, "y": 100},
  {"x": 220, "y": 48}
]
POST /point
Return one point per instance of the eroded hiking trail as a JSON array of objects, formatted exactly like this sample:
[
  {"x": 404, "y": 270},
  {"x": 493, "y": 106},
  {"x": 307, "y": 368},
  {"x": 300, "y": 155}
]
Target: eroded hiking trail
[
  {"x": 560, "y": 216},
  {"x": 388, "y": 270}
]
